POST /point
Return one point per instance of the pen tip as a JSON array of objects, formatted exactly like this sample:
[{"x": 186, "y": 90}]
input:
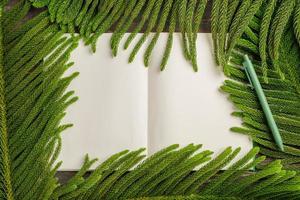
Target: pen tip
[{"x": 281, "y": 147}]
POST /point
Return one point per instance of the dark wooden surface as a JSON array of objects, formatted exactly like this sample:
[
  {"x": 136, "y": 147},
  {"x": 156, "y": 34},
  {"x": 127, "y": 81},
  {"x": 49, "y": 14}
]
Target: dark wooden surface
[
  {"x": 64, "y": 176},
  {"x": 204, "y": 28}
]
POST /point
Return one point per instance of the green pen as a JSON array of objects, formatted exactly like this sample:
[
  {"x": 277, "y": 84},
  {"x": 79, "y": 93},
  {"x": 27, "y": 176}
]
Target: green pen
[{"x": 253, "y": 79}]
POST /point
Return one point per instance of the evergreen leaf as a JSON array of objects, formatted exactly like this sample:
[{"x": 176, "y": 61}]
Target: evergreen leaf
[{"x": 282, "y": 94}]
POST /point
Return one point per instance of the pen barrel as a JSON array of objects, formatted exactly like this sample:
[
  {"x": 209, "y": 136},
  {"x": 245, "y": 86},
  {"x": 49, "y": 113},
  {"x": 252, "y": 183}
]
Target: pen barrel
[{"x": 263, "y": 102}]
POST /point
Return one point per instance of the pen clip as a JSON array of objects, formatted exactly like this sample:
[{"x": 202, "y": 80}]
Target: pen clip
[{"x": 247, "y": 74}]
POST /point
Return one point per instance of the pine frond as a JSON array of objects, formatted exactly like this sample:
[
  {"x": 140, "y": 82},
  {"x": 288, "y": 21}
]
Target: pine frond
[
  {"x": 184, "y": 186},
  {"x": 222, "y": 32},
  {"x": 181, "y": 20},
  {"x": 199, "y": 12},
  {"x": 33, "y": 99},
  {"x": 123, "y": 25},
  {"x": 94, "y": 17},
  {"x": 214, "y": 27},
  {"x": 232, "y": 7},
  {"x": 151, "y": 24},
  {"x": 139, "y": 172},
  {"x": 246, "y": 14},
  {"x": 172, "y": 27},
  {"x": 282, "y": 94},
  {"x": 263, "y": 35},
  {"x": 188, "y": 197},
  {"x": 171, "y": 174},
  {"x": 188, "y": 22},
  {"x": 5, "y": 161},
  {"x": 297, "y": 21},
  {"x": 217, "y": 184},
  {"x": 238, "y": 18},
  {"x": 278, "y": 27},
  {"x": 163, "y": 19},
  {"x": 116, "y": 13}
]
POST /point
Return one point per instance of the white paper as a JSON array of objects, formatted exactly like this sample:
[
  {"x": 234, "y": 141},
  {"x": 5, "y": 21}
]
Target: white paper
[
  {"x": 125, "y": 106},
  {"x": 111, "y": 113},
  {"x": 187, "y": 107}
]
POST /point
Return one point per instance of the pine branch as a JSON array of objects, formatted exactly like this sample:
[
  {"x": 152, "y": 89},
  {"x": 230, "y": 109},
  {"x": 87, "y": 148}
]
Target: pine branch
[
  {"x": 199, "y": 12},
  {"x": 129, "y": 15},
  {"x": 139, "y": 172},
  {"x": 163, "y": 19},
  {"x": 222, "y": 32},
  {"x": 284, "y": 12},
  {"x": 297, "y": 21},
  {"x": 232, "y": 7},
  {"x": 93, "y": 17},
  {"x": 282, "y": 94},
  {"x": 184, "y": 186},
  {"x": 236, "y": 33},
  {"x": 152, "y": 21},
  {"x": 215, "y": 185},
  {"x": 188, "y": 22},
  {"x": 34, "y": 58},
  {"x": 237, "y": 18},
  {"x": 181, "y": 20},
  {"x": 172, "y": 26},
  {"x": 188, "y": 197},
  {"x": 115, "y": 15},
  {"x": 214, "y": 27},
  {"x": 39, "y": 3},
  {"x": 5, "y": 162},
  {"x": 163, "y": 174},
  {"x": 277, "y": 29},
  {"x": 149, "y": 6},
  {"x": 263, "y": 36},
  {"x": 253, "y": 118}
]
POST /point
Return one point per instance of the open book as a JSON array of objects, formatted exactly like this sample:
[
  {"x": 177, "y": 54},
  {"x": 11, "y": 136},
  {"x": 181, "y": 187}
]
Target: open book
[{"x": 126, "y": 106}]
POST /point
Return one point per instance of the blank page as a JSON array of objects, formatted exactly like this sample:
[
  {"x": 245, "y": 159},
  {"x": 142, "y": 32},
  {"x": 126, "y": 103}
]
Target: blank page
[
  {"x": 126, "y": 106},
  {"x": 111, "y": 113},
  {"x": 187, "y": 107}
]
